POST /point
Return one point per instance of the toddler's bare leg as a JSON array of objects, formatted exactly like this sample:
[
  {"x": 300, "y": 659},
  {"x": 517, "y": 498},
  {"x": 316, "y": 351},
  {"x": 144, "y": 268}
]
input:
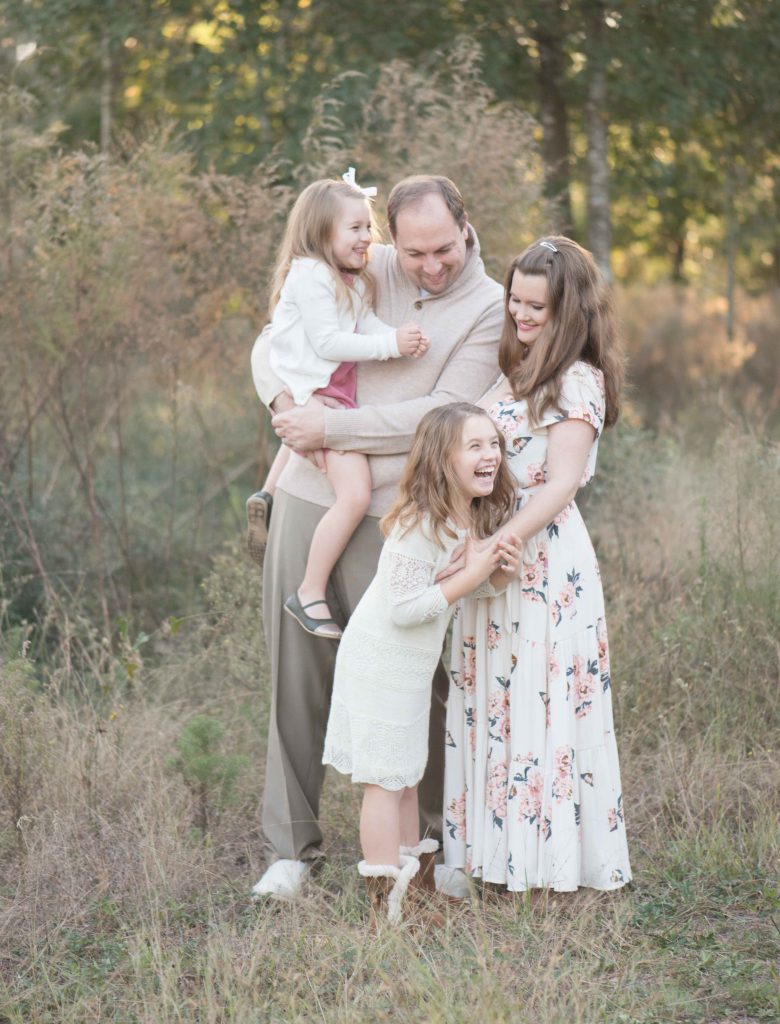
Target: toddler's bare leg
[
  {"x": 280, "y": 461},
  {"x": 350, "y": 478}
]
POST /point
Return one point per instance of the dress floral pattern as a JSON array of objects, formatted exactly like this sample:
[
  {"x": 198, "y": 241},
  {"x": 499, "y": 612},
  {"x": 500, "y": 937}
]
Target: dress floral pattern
[{"x": 532, "y": 781}]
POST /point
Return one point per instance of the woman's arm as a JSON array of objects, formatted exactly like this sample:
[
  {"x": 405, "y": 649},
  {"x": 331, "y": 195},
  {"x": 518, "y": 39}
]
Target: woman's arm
[{"x": 568, "y": 446}]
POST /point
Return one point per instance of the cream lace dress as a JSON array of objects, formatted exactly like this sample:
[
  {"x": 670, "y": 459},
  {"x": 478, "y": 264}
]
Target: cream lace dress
[{"x": 378, "y": 725}]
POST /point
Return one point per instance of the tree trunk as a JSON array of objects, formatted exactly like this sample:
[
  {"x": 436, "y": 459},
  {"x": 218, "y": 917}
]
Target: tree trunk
[
  {"x": 105, "y": 92},
  {"x": 730, "y": 217},
  {"x": 599, "y": 216},
  {"x": 549, "y": 34}
]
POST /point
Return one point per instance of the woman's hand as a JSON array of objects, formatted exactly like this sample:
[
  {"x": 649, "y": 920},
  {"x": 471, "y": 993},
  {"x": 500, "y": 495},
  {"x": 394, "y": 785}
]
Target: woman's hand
[{"x": 510, "y": 549}]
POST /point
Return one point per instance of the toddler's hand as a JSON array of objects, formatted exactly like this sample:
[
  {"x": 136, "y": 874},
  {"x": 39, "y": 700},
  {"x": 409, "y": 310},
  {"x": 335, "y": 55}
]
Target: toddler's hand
[{"x": 411, "y": 341}]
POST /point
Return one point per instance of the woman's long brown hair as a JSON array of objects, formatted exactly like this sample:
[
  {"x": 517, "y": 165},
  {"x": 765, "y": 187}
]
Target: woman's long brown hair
[
  {"x": 581, "y": 326},
  {"x": 429, "y": 487}
]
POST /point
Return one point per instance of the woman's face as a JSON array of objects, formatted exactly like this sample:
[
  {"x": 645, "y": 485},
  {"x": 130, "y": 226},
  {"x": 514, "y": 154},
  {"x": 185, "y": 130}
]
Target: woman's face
[{"x": 528, "y": 306}]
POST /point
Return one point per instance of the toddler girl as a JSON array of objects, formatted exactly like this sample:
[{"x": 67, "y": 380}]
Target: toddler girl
[
  {"x": 455, "y": 487},
  {"x": 321, "y": 323}
]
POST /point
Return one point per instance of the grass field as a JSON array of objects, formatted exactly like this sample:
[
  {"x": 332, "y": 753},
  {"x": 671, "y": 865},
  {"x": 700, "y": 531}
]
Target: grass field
[{"x": 127, "y": 862}]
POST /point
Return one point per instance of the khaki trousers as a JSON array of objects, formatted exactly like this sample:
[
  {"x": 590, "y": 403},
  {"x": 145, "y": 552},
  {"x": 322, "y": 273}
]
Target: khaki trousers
[{"x": 302, "y": 679}]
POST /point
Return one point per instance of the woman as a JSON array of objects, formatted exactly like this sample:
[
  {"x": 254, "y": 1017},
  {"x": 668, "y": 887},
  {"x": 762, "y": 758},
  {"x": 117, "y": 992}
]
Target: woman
[{"x": 532, "y": 787}]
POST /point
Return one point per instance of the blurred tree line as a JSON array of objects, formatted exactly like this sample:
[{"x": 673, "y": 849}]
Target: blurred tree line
[
  {"x": 149, "y": 154},
  {"x": 659, "y": 119}
]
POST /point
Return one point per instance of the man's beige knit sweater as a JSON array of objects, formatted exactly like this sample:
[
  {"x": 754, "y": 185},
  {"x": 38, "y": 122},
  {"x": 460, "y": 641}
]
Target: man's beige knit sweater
[{"x": 464, "y": 325}]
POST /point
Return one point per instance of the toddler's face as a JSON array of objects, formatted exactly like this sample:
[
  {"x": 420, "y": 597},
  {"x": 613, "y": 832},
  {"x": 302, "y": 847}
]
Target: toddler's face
[{"x": 352, "y": 234}]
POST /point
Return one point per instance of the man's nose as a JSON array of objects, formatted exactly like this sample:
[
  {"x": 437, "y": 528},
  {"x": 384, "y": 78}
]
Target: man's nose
[{"x": 431, "y": 265}]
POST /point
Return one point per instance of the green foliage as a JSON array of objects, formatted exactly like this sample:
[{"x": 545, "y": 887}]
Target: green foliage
[
  {"x": 207, "y": 771},
  {"x": 25, "y": 738}
]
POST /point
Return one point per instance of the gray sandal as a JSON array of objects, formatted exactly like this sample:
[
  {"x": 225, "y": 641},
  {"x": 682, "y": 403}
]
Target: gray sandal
[{"x": 329, "y": 629}]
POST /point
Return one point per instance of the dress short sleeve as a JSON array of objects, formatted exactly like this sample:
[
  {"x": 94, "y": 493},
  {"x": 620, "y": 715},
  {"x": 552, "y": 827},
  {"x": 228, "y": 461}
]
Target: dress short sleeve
[{"x": 582, "y": 396}]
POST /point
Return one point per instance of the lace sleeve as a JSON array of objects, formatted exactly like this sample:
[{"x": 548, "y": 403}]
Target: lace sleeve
[
  {"x": 414, "y": 597},
  {"x": 485, "y": 589}
]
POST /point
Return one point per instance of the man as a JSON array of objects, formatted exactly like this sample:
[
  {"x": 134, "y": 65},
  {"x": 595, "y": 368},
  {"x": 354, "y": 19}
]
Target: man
[{"x": 432, "y": 275}]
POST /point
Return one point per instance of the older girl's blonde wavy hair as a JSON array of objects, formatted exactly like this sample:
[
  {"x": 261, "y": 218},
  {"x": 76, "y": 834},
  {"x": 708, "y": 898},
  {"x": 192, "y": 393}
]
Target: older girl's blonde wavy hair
[
  {"x": 429, "y": 488},
  {"x": 581, "y": 326},
  {"x": 309, "y": 232}
]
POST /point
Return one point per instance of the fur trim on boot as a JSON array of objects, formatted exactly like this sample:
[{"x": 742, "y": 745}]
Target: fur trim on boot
[
  {"x": 387, "y": 885},
  {"x": 425, "y": 851}
]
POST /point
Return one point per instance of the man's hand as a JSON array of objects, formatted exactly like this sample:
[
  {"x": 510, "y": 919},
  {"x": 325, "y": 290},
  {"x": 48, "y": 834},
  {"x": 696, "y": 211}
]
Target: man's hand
[{"x": 301, "y": 428}]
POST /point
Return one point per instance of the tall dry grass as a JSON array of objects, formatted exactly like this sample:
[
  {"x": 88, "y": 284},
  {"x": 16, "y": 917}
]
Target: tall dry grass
[{"x": 115, "y": 908}]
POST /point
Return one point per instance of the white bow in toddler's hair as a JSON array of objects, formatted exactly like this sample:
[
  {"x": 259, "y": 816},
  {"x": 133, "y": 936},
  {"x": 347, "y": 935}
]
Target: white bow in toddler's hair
[{"x": 349, "y": 177}]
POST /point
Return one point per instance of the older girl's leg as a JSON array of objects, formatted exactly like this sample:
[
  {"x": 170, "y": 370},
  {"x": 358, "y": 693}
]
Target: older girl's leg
[
  {"x": 409, "y": 813},
  {"x": 380, "y": 825}
]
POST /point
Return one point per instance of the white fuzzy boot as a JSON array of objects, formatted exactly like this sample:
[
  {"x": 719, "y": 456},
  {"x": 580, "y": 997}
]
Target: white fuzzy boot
[
  {"x": 425, "y": 851},
  {"x": 387, "y": 887}
]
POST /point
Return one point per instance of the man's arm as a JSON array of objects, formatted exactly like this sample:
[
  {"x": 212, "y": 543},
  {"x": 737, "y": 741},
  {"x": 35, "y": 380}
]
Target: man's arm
[{"x": 389, "y": 429}]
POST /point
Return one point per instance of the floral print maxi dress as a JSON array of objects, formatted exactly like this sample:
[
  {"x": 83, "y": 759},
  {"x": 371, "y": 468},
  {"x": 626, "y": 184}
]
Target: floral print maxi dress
[{"x": 532, "y": 782}]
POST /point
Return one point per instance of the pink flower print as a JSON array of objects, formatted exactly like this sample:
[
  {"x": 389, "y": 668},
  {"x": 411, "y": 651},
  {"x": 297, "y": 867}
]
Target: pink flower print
[
  {"x": 584, "y": 688},
  {"x": 493, "y": 635},
  {"x": 473, "y": 739},
  {"x": 496, "y": 703},
  {"x": 562, "y": 787},
  {"x": 564, "y": 762},
  {"x": 507, "y": 425},
  {"x": 601, "y": 632},
  {"x": 566, "y": 596},
  {"x": 563, "y": 515},
  {"x": 498, "y": 719},
  {"x": 553, "y": 668},
  {"x": 497, "y": 793},
  {"x": 469, "y": 664},
  {"x": 582, "y": 677},
  {"x": 562, "y": 790},
  {"x": 531, "y": 575},
  {"x": 553, "y": 528},
  {"x": 533, "y": 578},
  {"x": 615, "y": 814},
  {"x": 456, "y": 817},
  {"x": 534, "y": 474},
  {"x": 529, "y": 788}
]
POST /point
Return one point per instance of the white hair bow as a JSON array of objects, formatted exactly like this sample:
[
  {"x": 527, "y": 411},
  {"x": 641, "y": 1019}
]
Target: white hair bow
[{"x": 349, "y": 177}]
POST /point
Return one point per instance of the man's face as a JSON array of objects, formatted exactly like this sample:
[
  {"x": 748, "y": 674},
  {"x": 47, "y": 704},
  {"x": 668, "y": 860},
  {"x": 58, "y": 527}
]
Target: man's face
[{"x": 430, "y": 245}]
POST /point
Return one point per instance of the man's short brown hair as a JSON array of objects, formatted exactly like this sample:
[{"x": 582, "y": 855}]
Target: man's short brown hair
[{"x": 411, "y": 190}]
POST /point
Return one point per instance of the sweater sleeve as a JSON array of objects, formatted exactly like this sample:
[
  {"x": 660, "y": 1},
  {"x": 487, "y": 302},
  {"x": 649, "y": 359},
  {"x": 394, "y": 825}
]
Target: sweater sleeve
[
  {"x": 389, "y": 429},
  {"x": 315, "y": 294},
  {"x": 267, "y": 384},
  {"x": 414, "y": 597}
]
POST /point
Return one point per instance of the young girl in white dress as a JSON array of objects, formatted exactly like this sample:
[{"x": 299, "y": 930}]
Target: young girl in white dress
[
  {"x": 532, "y": 782},
  {"x": 322, "y": 323},
  {"x": 455, "y": 489}
]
